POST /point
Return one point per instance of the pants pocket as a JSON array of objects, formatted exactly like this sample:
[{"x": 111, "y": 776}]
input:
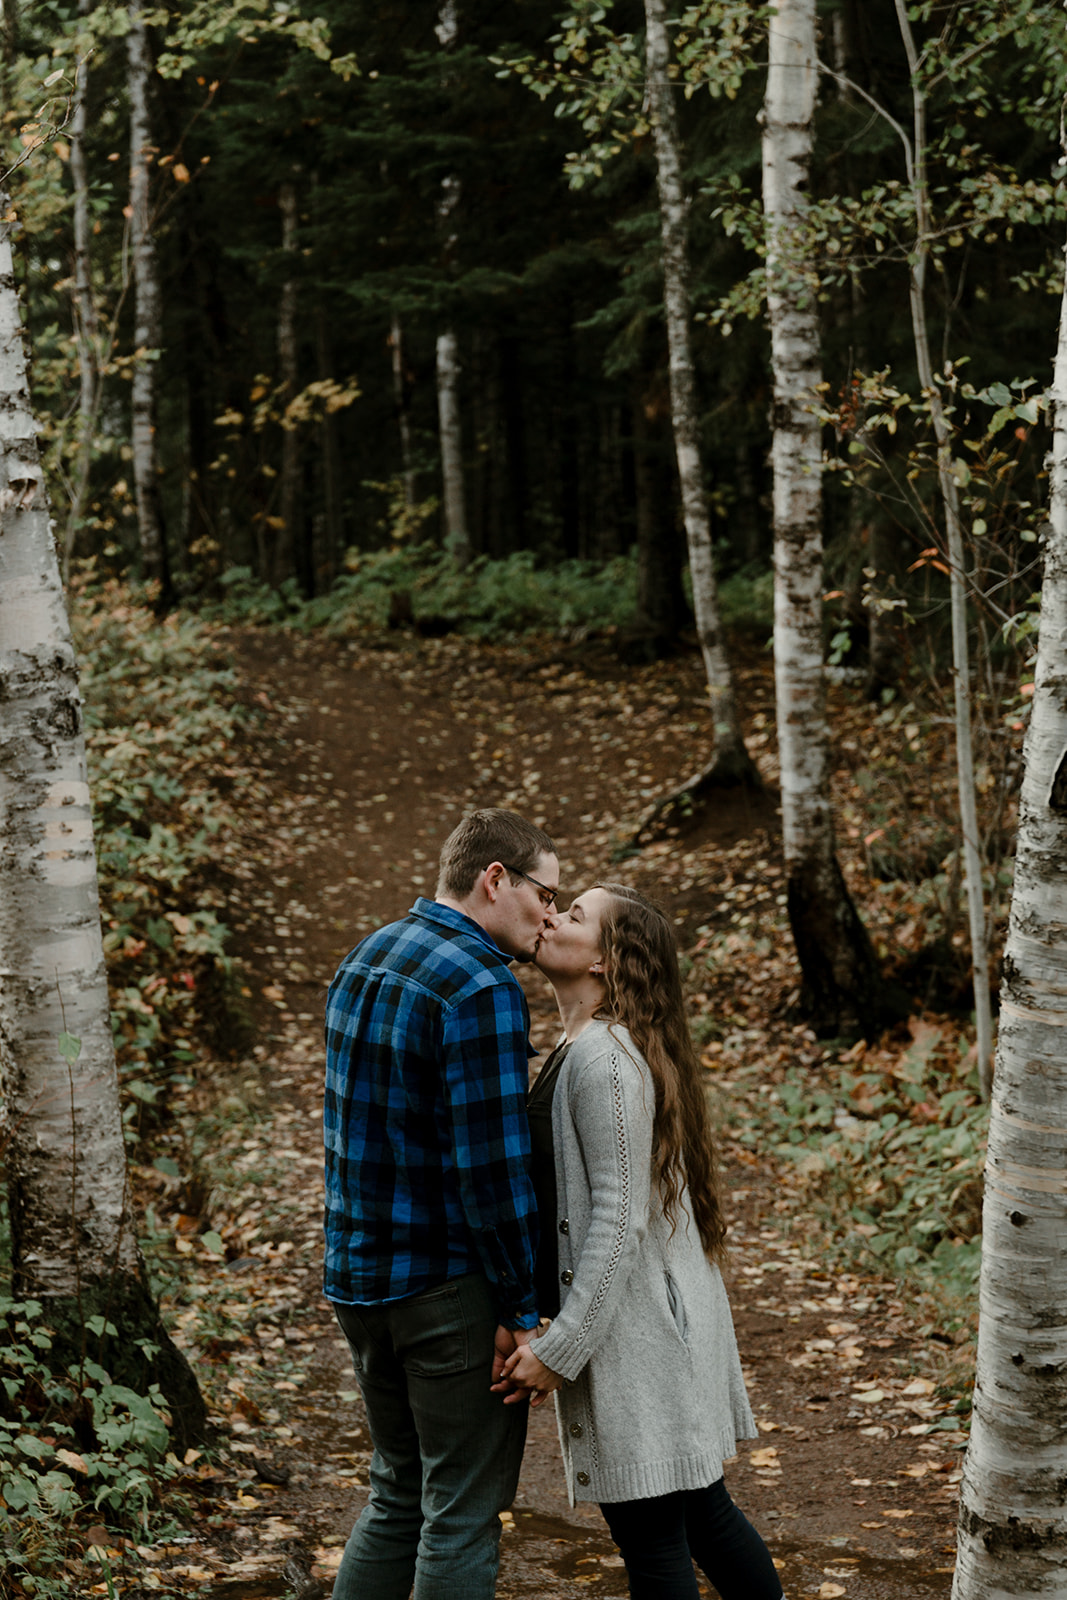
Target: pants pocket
[{"x": 435, "y": 1333}]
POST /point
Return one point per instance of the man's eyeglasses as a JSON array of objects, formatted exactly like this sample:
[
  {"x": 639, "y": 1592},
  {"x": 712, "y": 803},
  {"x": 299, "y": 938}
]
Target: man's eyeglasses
[{"x": 546, "y": 895}]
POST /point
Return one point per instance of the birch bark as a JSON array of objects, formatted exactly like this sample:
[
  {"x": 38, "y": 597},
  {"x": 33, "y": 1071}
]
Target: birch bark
[
  {"x": 839, "y": 971},
  {"x": 85, "y": 320},
  {"x": 961, "y": 669},
  {"x": 1013, "y": 1499},
  {"x": 148, "y": 318},
  {"x": 288, "y": 479},
  {"x": 450, "y": 427},
  {"x": 731, "y": 760},
  {"x": 72, "y": 1240},
  {"x": 402, "y": 403}
]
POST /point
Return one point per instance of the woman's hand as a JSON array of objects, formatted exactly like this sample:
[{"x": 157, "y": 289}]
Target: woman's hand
[{"x": 525, "y": 1375}]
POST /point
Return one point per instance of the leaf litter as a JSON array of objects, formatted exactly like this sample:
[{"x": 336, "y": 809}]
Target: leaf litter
[{"x": 362, "y": 762}]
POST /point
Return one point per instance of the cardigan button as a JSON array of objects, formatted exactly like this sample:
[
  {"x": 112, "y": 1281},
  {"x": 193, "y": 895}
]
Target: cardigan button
[
  {"x": 583, "y": 1478},
  {"x": 566, "y": 1277},
  {"x": 565, "y": 1226},
  {"x": 576, "y": 1430}
]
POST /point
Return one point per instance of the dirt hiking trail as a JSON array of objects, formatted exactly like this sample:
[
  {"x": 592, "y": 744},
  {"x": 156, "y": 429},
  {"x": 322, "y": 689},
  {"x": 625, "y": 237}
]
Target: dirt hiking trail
[{"x": 365, "y": 760}]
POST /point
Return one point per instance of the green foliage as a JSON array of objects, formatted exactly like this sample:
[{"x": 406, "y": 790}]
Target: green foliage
[
  {"x": 424, "y": 587},
  {"x": 597, "y": 75},
  {"x": 888, "y": 1149},
  {"x": 77, "y": 1453},
  {"x": 161, "y": 720},
  {"x": 746, "y": 600}
]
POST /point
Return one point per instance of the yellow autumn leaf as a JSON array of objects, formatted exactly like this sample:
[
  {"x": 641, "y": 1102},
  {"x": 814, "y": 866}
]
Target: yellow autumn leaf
[
  {"x": 830, "y": 1591},
  {"x": 181, "y": 172},
  {"x": 767, "y": 1457}
]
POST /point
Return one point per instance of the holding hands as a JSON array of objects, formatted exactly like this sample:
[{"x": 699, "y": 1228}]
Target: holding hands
[{"x": 521, "y": 1374}]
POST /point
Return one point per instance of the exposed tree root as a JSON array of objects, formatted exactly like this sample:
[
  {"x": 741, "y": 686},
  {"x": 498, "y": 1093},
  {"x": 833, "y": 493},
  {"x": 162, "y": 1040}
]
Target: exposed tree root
[
  {"x": 133, "y": 1346},
  {"x": 729, "y": 769},
  {"x": 844, "y": 993}
]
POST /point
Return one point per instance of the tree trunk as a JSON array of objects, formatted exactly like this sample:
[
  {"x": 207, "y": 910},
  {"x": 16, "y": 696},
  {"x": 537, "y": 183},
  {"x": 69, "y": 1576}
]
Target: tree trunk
[
  {"x": 457, "y": 538},
  {"x": 402, "y": 401},
  {"x": 73, "y": 1245},
  {"x": 661, "y": 611},
  {"x": 457, "y": 534},
  {"x": 1013, "y": 1499},
  {"x": 840, "y": 979},
  {"x": 332, "y": 526},
  {"x": 961, "y": 669},
  {"x": 288, "y": 372},
  {"x": 148, "y": 319},
  {"x": 85, "y": 321},
  {"x": 516, "y": 474},
  {"x": 731, "y": 762}
]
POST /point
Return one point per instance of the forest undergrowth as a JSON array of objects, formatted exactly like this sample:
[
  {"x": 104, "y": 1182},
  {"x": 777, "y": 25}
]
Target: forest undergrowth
[{"x": 874, "y": 1146}]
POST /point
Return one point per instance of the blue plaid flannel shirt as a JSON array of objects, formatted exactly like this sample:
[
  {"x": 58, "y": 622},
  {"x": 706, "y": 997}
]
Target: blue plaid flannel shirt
[{"x": 427, "y": 1143}]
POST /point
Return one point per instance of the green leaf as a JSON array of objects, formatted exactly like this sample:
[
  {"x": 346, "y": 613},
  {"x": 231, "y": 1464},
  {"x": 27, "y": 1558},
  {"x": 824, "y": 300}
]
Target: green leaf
[
  {"x": 19, "y": 1493},
  {"x": 70, "y": 1048},
  {"x": 31, "y": 1446},
  {"x": 213, "y": 1242}
]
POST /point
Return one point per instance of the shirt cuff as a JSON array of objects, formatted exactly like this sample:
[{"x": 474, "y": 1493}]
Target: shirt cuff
[{"x": 524, "y": 1321}]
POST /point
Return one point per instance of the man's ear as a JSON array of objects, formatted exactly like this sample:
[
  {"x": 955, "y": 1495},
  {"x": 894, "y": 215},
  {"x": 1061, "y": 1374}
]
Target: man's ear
[{"x": 491, "y": 879}]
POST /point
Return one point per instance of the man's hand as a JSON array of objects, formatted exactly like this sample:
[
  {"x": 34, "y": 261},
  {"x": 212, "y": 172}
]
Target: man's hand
[
  {"x": 506, "y": 1341},
  {"x": 504, "y": 1345}
]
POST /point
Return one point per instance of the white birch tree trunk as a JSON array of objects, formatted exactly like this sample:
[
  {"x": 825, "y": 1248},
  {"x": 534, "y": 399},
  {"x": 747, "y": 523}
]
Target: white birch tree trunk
[
  {"x": 148, "y": 318},
  {"x": 450, "y": 430},
  {"x": 449, "y": 422},
  {"x": 72, "y": 1240},
  {"x": 961, "y": 669},
  {"x": 288, "y": 366},
  {"x": 85, "y": 319},
  {"x": 1013, "y": 1499},
  {"x": 731, "y": 759},
  {"x": 838, "y": 966}
]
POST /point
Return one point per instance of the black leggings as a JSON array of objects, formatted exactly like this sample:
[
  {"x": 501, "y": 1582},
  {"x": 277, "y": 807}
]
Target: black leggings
[{"x": 661, "y": 1538}]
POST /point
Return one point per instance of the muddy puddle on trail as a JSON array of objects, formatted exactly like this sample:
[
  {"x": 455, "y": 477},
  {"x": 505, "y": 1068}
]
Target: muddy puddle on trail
[{"x": 547, "y": 1558}]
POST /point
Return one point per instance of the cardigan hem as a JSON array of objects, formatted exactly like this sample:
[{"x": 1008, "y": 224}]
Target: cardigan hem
[{"x": 647, "y": 1480}]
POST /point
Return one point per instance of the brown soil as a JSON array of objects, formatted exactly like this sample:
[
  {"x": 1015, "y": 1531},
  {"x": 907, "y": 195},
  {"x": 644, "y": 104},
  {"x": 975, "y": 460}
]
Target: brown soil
[{"x": 367, "y": 758}]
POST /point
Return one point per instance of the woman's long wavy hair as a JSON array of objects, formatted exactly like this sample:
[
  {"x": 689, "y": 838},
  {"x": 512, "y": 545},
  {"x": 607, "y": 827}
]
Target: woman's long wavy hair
[{"x": 644, "y": 993}]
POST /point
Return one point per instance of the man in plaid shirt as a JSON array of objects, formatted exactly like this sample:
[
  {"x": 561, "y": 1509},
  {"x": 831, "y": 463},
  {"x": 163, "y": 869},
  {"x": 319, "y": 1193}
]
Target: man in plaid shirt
[{"x": 430, "y": 1213}]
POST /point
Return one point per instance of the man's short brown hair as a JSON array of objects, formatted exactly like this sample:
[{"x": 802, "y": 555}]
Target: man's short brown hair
[{"x": 484, "y": 837}]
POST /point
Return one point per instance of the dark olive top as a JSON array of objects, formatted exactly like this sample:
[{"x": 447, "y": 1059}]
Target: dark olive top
[{"x": 543, "y": 1173}]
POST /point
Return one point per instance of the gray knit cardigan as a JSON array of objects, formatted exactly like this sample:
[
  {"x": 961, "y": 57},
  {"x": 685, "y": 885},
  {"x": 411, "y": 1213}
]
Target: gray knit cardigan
[{"x": 653, "y": 1398}]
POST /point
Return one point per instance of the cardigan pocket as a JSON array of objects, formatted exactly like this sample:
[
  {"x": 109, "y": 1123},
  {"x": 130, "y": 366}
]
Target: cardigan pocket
[{"x": 677, "y": 1309}]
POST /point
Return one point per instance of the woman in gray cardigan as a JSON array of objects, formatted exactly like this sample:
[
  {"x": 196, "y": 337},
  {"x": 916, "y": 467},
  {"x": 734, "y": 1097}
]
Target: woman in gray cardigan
[{"x": 642, "y": 1357}]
